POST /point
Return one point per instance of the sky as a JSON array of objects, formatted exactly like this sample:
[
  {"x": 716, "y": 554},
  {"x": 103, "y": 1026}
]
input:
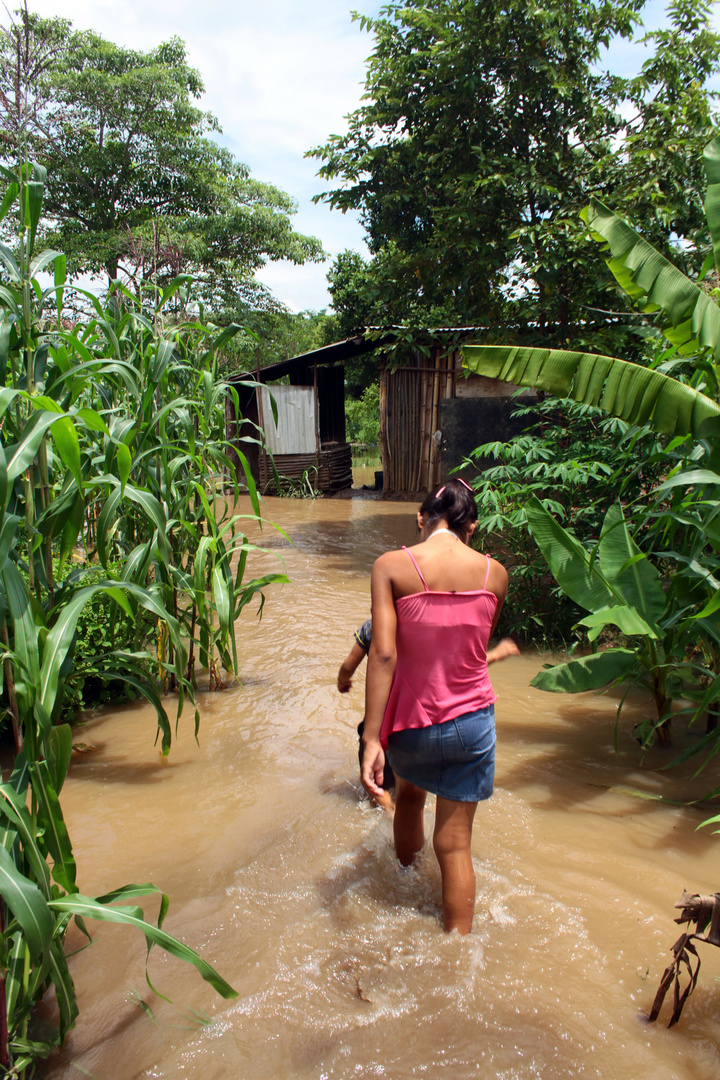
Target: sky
[{"x": 280, "y": 76}]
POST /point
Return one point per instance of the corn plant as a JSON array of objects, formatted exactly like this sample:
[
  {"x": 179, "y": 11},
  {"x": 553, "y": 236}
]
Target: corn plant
[{"x": 112, "y": 464}]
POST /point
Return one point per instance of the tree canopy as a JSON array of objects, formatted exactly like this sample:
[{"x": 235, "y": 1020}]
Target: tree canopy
[
  {"x": 135, "y": 180},
  {"x": 485, "y": 129}
]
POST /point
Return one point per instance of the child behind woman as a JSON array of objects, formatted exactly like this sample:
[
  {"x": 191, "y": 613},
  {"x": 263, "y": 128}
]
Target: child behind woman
[{"x": 360, "y": 649}]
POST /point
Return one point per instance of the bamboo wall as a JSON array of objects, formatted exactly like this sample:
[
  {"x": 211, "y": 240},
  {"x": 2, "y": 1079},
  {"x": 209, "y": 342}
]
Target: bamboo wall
[
  {"x": 329, "y": 471},
  {"x": 410, "y": 399}
]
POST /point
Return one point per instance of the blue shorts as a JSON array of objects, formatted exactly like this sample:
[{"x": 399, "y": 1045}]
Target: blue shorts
[{"x": 455, "y": 759}]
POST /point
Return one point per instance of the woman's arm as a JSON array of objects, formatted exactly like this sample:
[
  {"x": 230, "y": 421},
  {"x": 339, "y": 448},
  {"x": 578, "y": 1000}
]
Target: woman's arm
[
  {"x": 507, "y": 646},
  {"x": 499, "y": 585},
  {"x": 381, "y": 666}
]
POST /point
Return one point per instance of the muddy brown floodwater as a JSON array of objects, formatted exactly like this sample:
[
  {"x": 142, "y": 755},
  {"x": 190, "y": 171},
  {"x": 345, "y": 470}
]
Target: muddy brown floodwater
[{"x": 284, "y": 878}]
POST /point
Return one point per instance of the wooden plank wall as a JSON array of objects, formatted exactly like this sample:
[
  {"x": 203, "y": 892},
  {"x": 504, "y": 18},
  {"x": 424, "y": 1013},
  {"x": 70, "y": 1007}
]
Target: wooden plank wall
[
  {"x": 329, "y": 471},
  {"x": 410, "y": 400}
]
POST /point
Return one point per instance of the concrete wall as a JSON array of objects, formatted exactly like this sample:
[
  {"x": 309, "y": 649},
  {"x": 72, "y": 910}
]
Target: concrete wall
[{"x": 467, "y": 422}]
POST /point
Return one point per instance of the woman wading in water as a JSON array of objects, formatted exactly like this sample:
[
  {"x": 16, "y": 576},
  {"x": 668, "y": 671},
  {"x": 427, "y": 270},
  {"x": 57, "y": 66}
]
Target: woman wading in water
[{"x": 429, "y": 701}]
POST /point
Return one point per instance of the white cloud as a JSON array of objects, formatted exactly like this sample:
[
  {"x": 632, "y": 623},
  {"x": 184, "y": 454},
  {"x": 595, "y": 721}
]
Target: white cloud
[{"x": 279, "y": 76}]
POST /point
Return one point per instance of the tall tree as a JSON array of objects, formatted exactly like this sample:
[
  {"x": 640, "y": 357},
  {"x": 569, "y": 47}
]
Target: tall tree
[
  {"x": 486, "y": 127},
  {"x": 135, "y": 180}
]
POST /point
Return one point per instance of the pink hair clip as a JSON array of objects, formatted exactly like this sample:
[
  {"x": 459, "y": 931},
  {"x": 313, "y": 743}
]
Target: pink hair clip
[{"x": 460, "y": 480}]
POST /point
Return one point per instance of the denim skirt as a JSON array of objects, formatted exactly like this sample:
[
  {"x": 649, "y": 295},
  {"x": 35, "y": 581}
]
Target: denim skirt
[{"x": 455, "y": 759}]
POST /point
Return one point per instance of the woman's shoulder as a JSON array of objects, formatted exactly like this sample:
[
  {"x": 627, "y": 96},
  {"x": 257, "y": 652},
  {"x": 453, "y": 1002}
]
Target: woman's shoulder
[
  {"x": 389, "y": 559},
  {"x": 497, "y": 578}
]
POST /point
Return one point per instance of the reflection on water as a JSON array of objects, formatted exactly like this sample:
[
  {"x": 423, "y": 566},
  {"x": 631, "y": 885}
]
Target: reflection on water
[
  {"x": 285, "y": 879},
  {"x": 364, "y": 475}
]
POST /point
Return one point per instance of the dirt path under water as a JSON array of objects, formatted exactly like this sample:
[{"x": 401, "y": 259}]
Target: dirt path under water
[{"x": 285, "y": 879}]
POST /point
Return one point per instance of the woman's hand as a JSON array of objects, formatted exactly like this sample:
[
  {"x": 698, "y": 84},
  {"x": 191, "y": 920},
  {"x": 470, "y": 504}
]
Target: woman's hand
[{"x": 373, "y": 766}]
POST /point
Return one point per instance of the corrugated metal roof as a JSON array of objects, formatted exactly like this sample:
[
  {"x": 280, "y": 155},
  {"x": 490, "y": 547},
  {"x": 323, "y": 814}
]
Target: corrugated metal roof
[{"x": 340, "y": 351}]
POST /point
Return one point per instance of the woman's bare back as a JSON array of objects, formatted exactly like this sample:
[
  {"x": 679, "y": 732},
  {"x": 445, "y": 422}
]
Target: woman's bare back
[{"x": 448, "y": 565}]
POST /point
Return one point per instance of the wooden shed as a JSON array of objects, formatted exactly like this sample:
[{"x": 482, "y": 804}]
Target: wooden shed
[
  {"x": 432, "y": 415},
  {"x": 309, "y": 437}
]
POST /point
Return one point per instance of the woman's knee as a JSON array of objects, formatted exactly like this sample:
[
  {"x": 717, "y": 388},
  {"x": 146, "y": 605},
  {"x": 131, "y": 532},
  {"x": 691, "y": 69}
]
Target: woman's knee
[
  {"x": 447, "y": 844},
  {"x": 453, "y": 828}
]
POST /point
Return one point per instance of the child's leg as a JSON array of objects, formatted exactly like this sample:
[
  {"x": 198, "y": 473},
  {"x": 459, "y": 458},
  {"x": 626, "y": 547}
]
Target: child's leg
[{"x": 408, "y": 823}]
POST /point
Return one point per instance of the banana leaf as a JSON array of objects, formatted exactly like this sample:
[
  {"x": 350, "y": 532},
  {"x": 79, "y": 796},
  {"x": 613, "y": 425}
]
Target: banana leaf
[
  {"x": 626, "y": 618},
  {"x": 588, "y": 673},
  {"x": 711, "y": 158},
  {"x": 571, "y": 565},
  {"x": 636, "y": 394},
  {"x": 663, "y": 284},
  {"x": 630, "y": 573}
]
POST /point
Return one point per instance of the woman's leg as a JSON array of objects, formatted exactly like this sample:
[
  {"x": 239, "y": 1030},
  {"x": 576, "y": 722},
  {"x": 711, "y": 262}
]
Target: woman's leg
[
  {"x": 408, "y": 821},
  {"x": 451, "y": 840}
]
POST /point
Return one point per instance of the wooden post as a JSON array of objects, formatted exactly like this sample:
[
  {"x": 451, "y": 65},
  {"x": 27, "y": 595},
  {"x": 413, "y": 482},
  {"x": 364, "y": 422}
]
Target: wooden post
[
  {"x": 317, "y": 417},
  {"x": 434, "y": 423},
  {"x": 385, "y": 453}
]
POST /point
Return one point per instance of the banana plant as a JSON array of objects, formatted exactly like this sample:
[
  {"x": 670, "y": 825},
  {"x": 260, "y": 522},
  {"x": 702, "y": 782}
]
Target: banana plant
[
  {"x": 621, "y": 589},
  {"x": 680, "y": 648},
  {"x": 636, "y": 394}
]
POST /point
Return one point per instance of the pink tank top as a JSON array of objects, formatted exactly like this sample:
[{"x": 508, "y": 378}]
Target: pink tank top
[{"x": 441, "y": 670}]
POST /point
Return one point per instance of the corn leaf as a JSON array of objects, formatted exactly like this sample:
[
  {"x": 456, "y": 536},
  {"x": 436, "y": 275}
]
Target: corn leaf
[
  {"x": 87, "y": 908},
  {"x": 67, "y": 444},
  {"x": 15, "y": 811},
  {"x": 55, "y": 834},
  {"x": 63, "y": 987},
  {"x": 19, "y": 606},
  {"x": 28, "y": 906}
]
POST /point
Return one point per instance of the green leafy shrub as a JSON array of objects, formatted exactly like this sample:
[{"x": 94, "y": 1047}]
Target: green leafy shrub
[
  {"x": 103, "y": 628},
  {"x": 362, "y": 416},
  {"x": 577, "y": 461}
]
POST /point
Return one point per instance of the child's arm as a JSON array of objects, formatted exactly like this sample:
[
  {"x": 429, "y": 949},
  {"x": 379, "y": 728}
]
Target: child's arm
[
  {"x": 502, "y": 650},
  {"x": 348, "y": 667}
]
